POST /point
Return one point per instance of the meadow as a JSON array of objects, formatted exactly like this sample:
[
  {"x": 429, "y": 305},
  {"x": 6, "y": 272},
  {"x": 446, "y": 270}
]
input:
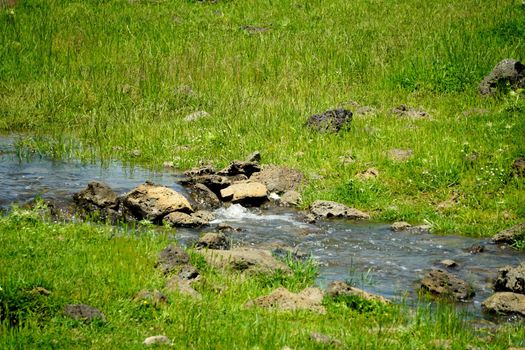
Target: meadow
[{"x": 114, "y": 80}]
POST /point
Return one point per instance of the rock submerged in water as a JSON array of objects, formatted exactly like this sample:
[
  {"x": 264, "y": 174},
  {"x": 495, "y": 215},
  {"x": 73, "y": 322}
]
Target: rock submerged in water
[
  {"x": 508, "y": 72},
  {"x": 444, "y": 284},
  {"x": 329, "y": 209},
  {"x": 330, "y": 121}
]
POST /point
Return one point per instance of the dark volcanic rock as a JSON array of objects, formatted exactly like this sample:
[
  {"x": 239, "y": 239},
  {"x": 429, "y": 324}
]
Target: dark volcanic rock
[
  {"x": 508, "y": 72},
  {"x": 240, "y": 168},
  {"x": 82, "y": 312},
  {"x": 204, "y": 197},
  {"x": 446, "y": 285},
  {"x": 511, "y": 279},
  {"x": 330, "y": 121}
]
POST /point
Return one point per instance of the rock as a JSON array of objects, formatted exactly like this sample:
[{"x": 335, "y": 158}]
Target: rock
[
  {"x": 510, "y": 235},
  {"x": 196, "y": 116},
  {"x": 41, "y": 291},
  {"x": 330, "y": 121},
  {"x": 172, "y": 258},
  {"x": 157, "y": 340},
  {"x": 505, "y": 303},
  {"x": 518, "y": 167},
  {"x": 284, "y": 300},
  {"x": 290, "y": 198},
  {"x": 420, "y": 229},
  {"x": 511, "y": 279},
  {"x": 136, "y": 153},
  {"x": 96, "y": 194},
  {"x": 183, "y": 286},
  {"x": 328, "y": 209},
  {"x": 82, "y": 312},
  {"x": 252, "y": 193},
  {"x": 240, "y": 168},
  {"x": 168, "y": 165},
  {"x": 370, "y": 173},
  {"x": 444, "y": 284},
  {"x": 204, "y": 197},
  {"x": 200, "y": 171},
  {"x": 254, "y": 30},
  {"x": 448, "y": 263},
  {"x": 365, "y": 110},
  {"x": 153, "y": 202},
  {"x": 254, "y": 157},
  {"x": 340, "y": 289},
  {"x": 508, "y": 72},
  {"x": 154, "y": 298},
  {"x": 213, "y": 240},
  {"x": 475, "y": 249},
  {"x": 188, "y": 272},
  {"x": 180, "y": 219},
  {"x": 400, "y": 226},
  {"x": 325, "y": 339},
  {"x": 279, "y": 179},
  {"x": 410, "y": 112},
  {"x": 246, "y": 260},
  {"x": 400, "y": 155},
  {"x": 214, "y": 182}
]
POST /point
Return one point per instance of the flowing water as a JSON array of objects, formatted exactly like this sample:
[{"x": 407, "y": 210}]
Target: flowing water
[{"x": 370, "y": 255}]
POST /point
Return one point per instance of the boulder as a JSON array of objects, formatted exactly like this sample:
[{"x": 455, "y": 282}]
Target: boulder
[
  {"x": 246, "y": 260},
  {"x": 84, "y": 313},
  {"x": 250, "y": 193},
  {"x": 505, "y": 303},
  {"x": 509, "y": 72},
  {"x": 511, "y": 279},
  {"x": 153, "y": 202},
  {"x": 180, "y": 219},
  {"x": 340, "y": 289},
  {"x": 204, "y": 197},
  {"x": 444, "y": 284},
  {"x": 330, "y": 121},
  {"x": 172, "y": 258},
  {"x": 282, "y": 299},
  {"x": 96, "y": 194},
  {"x": 240, "y": 168},
  {"x": 213, "y": 240},
  {"x": 279, "y": 179},
  {"x": 329, "y": 209},
  {"x": 510, "y": 235}
]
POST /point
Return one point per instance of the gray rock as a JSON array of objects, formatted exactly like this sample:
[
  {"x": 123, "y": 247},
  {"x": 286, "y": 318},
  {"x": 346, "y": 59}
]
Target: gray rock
[
  {"x": 325, "y": 339},
  {"x": 290, "y": 198},
  {"x": 368, "y": 174},
  {"x": 329, "y": 209},
  {"x": 157, "y": 340},
  {"x": 330, "y": 121},
  {"x": 505, "y": 303},
  {"x": 183, "y": 286},
  {"x": 84, "y": 313},
  {"x": 448, "y": 263},
  {"x": 98, "y": 194},
  {"x": 240, "y": 168},
  {"x": 153, "y": 202},
  {"x": 254, "y": 157},
  {"x": 509, "y": 72},
  {"x": 511, "y": 279},
  {"x": 510, "y": 235},
  {"x": 279, "y": 179},
  {"x": 213, "y": 240},
  {"x": 172, "y": 258},
  {"x": 444, "y": 284}
]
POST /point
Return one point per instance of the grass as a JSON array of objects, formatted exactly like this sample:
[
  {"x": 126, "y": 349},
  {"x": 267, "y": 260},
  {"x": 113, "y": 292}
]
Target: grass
[
  {"x": 104, "y": 268},
  {"x": 115, "y": 79}
]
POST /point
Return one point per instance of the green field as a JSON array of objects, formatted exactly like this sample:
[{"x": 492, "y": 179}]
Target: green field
[{"x": 114, "y": 80}]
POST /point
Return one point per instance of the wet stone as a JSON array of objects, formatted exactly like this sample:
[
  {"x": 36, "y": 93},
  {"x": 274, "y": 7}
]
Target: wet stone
[{"x": 444, "y": 284}]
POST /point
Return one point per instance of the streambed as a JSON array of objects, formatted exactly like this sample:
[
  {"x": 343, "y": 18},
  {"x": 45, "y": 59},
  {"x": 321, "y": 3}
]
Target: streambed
[{"x": 370, "y": 255}]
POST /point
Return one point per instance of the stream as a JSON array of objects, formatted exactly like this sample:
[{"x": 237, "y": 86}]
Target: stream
[{"x": 370, "y": 255}]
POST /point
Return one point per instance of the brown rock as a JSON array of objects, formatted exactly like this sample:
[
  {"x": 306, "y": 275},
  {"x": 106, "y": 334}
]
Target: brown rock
[
  {"x": 370, "y": 173},
  {"x": 247, "y": 260},
  {"x": 279, "y": 179},
  {"x": 444, "y": 284},
  {"x": 183, "y": 286},
  {"x": 510, "y": 235},
  {"x": 204, "y": 197},
  {"x": 284, "y": 300},
  {"x": 410, "y": 112},
  {"x": 245, "y": 193},
  {"x": 400, "y": 226},
  {"x": 153, "y": 202},
  {"x": 339, "y": 288},
  {"x": 180, "y": 219},
  {"x": 505, "y": 303},
  {"x": 154, "y": 298},
  {"x": 518, "y": 167},
  {"x": 213, "y": 240},
  {"x": 290, "y": 198},
  {"x": 98, "y": 194}
]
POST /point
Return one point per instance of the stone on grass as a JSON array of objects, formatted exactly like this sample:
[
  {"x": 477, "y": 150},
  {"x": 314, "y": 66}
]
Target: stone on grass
[
  {"x": 284, "y": 300},
  {"x": 246, "y": 260},
  {"x": 506, "y": 303},
  {"x": 84, "y": 313},
  {"x": 410, "y": 112},
  {"x": 240, "y": 168},
  {"x": 290, "y": 198},
  {"x": 400, "y": 155},
  {"x": 172, "y": 258},
  {"x": 511, "y": 279},
  {"x": 324, "y": 339},
  {"x": 444, "y": 284},
  {"x": 330, "y": 121},
  {"x": 154, "y": 298},
  {"x": 340, "y": 289},
  {"x": 508, "y": 73},
  {"x": 368, "y": 174},
  {"x": 518, "y": 167},
  {"x": 157, "y": 340},
  {"x": 153, "y": 202},
  {"x": 183, "y": 286},
  {"x": 196, "y": 116},
  {"x": 329, "y": 209}
]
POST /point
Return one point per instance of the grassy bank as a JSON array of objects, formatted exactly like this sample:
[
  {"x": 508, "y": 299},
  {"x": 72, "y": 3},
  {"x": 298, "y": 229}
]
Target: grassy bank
[
  {"x": 105, "y": 267},
  {"x": 115, "y": 79}
]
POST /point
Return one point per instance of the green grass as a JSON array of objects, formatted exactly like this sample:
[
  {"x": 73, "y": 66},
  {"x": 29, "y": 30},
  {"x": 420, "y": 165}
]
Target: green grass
[
  {"x": 97, "y": 80},
  {"x": 104, "y": 268}
]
